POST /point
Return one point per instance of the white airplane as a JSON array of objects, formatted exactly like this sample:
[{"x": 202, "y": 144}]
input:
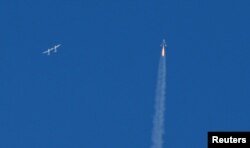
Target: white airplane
[
  {"x": 51, "y": 49},
  {"x": 163, "y": 44}
]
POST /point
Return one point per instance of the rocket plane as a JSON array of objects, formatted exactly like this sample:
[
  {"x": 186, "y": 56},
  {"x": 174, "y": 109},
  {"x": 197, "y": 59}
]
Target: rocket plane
[{"x": 164, "y": 46}]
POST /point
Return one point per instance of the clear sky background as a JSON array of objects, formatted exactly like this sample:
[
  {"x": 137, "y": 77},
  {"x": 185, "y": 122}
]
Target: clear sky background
[{"x": 98, "y": 90}]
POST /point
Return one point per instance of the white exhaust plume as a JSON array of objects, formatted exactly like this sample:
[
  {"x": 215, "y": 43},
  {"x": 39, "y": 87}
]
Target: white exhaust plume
[{"x": 158, "y": 123}]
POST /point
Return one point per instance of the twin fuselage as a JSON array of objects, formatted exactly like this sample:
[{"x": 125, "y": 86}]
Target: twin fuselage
[{"x": 52, "y": 49}]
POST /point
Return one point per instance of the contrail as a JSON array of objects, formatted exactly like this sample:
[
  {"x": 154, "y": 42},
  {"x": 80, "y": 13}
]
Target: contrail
[{"x": 158, "y": 122}]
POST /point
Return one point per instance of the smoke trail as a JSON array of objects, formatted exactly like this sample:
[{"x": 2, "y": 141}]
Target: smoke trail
[{"x": 158, "y": 123}]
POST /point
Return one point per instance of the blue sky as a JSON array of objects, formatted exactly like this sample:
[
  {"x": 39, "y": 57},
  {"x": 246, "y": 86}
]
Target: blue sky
[{"x": 98, "y": 90}]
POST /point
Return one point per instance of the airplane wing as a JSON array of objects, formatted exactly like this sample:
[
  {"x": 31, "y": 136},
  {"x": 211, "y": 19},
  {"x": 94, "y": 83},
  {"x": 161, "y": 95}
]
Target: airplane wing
[
  {"x": 46, "y": 52},
  {"x": 57, "y": 46}
]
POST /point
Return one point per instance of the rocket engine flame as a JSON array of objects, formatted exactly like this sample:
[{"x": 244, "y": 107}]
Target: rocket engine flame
[
  {"x": 163, "y": 51},
  {"x": 163, "y": 45}
]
